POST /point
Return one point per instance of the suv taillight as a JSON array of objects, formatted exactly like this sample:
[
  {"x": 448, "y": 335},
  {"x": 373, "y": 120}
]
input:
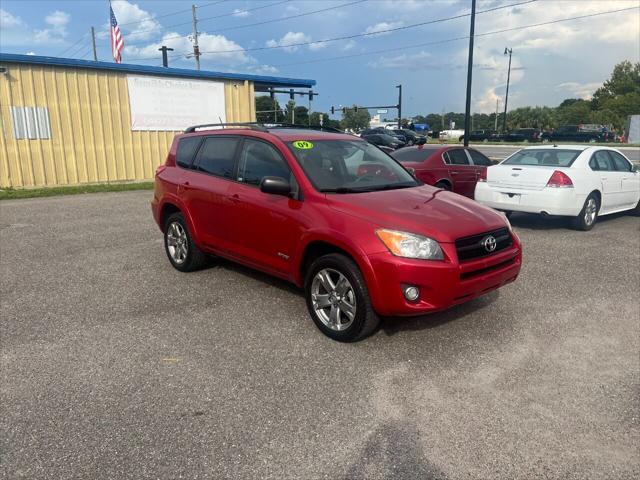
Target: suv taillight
[
  {"x": 482, "y": 177},
  {"x": 560, "y": 180}
]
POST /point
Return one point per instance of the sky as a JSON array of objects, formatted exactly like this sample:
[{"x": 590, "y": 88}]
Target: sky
[{"x": 549, "y": 64}]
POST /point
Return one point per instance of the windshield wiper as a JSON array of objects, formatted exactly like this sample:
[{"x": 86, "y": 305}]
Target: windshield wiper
[
  {"x": 390, "y": 187},
  {"x": 342, "y": 190}
]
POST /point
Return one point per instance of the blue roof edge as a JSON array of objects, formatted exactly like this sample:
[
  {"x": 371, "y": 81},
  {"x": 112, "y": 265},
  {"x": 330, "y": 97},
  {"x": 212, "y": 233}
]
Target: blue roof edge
[{"x": 164, "y": 71}]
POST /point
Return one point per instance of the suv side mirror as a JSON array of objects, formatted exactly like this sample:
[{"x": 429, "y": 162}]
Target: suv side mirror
[
  {"x": 275, "y": 186},
  {"x": 421, "y": 141},
  {"x": 635, "y": 167}
]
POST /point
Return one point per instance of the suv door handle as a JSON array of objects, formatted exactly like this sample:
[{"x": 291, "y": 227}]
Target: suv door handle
[{"x": 455, "y": 173}]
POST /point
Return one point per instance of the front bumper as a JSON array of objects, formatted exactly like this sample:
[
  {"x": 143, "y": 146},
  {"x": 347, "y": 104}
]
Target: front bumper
[
  {"x": 442, "y": 284},
  {"x": 553, "y": 201}
]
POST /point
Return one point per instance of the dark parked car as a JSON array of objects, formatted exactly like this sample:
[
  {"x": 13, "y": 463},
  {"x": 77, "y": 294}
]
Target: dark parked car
[
  {"x": 578, "y": 133},
  {"x": 450, "y": 168},
  {"x": 482, "y": 136},
  {"x": 384, "y": 140},
  {"x": 527, "y": 135},
  {"x": 332, "y": 214}
]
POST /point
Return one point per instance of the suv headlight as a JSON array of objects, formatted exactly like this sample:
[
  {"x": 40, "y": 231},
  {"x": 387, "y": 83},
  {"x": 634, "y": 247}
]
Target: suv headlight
[{"x": 410, "y": 245}]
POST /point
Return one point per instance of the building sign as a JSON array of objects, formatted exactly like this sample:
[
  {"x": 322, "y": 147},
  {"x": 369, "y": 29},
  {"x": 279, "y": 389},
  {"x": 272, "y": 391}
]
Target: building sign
[{"x": 161, "y": 103}]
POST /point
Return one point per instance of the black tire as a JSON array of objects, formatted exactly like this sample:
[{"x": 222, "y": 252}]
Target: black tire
[
  {"x": 443, "y": 186},
  {"x": 365, "y": 321},
  {"x": 194, "y": 259},
  {"x": 581, "y": 222},
  {"x": 636, "y": 211}
]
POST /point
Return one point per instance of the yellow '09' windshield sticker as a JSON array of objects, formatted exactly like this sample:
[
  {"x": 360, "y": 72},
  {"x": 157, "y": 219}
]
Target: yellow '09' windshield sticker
[{"x": 303, "y": 145}]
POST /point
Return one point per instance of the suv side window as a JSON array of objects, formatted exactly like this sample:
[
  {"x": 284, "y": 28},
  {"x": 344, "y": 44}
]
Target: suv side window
[
  {"x": 217, "y": 156},
  {"x": 479, "y": 159},
  {"x": 458, "y": 157},
  {"x": 258, "y": 160},
  {"x": 620, "y": 162},
  {"x": 602, "y": 161},
  {"x": 187, "y": 148}
]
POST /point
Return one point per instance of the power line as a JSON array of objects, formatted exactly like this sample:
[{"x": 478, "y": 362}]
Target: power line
[
  {"x": 305, "y": 14},
  {"x": 449, "y": 40},
  {"x": 200, "y": 20},
  {"x": 170, "y": 14},
  {"x": 365, "y": 34},
  {"x": 71, "y": 46}
]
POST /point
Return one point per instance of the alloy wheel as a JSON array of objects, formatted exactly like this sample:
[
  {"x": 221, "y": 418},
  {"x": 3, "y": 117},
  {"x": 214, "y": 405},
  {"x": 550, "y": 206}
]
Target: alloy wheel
[
  {"x": 590, "y": 211},
  {"x": 177, "y": 242},
  {"x": 333, "y": 299}
]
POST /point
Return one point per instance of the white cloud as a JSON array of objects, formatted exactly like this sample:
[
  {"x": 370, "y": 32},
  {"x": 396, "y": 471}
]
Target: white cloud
[
  {"x": 293, "y": 38},
  {"x": 348, "y": 45},
  {"x": 410, "y": 61},
  {"x": 31, "y": 53},
  {"x": 58, "y": 21},
  {"x": 182, "y": 44},
  {"x": 579, "y": 90},
  {"x": 136, "y": 23},
  {"x": 263, "y": 69},
  {"x": 552, "y": 49},
  {"x": 9, "y": 21},
  {"x": 240, "y": 13},
  {"x": 380, "y": 27}
]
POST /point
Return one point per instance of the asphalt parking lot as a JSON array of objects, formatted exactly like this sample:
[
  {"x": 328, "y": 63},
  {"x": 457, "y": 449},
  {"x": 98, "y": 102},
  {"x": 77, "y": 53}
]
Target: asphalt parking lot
[{"x": 114, "y": 365}]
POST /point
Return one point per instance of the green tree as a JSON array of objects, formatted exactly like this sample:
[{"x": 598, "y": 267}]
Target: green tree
[
  {"x": 264, "y": 103},
  {"x": 625, "y": 79},
  {"x": 355, "y": 120},
  {"x": 297, "y": 115}
]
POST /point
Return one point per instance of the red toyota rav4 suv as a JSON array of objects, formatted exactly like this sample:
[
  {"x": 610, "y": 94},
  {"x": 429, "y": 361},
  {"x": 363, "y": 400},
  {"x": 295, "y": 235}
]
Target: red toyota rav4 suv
[{"x": 332, "y": 214}]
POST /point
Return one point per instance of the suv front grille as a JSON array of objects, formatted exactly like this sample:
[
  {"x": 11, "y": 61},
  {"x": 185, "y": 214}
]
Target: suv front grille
[{"x": 469, "y": 248}]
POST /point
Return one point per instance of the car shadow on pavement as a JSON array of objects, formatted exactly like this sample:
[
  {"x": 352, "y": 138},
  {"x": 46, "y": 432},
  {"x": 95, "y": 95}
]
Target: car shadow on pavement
[
  {"x": 265, "y": 278},
  {"x": 393, "y": 325},
  {"x": 534, "y": 221}
]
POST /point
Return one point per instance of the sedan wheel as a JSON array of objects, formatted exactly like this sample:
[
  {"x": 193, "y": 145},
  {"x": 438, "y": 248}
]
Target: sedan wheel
[{"x": 588, "y": 216}]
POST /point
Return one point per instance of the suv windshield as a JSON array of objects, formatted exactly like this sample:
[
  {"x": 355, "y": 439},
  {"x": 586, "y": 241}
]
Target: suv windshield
[
  {"x": 543, "y": 157},
  {"x": 349, "y": 166}
]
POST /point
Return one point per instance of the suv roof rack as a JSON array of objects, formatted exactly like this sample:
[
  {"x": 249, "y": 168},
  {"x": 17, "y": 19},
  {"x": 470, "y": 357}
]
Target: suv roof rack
[
  {"x": 251, "y": 125},
  {"x": 306, "y": 127}
]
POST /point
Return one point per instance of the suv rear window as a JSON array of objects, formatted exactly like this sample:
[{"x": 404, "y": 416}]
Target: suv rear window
[
  {"x": 543, "y": 157},
  {"x": 217, "y": 156},
  {"x": 187, "y": 148}
]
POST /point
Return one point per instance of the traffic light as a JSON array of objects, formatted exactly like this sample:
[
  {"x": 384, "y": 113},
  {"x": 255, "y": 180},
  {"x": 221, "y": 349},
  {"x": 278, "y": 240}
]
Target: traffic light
[
  {"x": 310, "y": 95},
  {"x": 344, "y": 109},
  {"x": 355, "y": 108},
  {"x": 272, "y": 94},
  {"x": 291, "y": 94},
  {"x": 333, "y": 111}
]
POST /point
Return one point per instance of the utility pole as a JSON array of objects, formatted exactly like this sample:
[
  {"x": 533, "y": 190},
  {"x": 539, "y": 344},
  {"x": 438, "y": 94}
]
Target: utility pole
[
  {"x": 165, "y": 60},
  {"x": 506, "y": 97},
  {"x": 467, "y": 110},
  {"x": 196, "y": 48},
  {"x": 399, "y": 87},
  {"x": 93, "y": 42},
  {"x": 496, "y": 119}
]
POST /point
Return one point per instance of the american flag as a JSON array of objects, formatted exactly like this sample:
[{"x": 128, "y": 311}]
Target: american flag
[{"x": 117, "y": 43}]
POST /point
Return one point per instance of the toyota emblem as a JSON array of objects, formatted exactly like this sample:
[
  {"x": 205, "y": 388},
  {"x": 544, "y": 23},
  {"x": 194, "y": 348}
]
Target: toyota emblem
[{"x": 489, "y": 243}]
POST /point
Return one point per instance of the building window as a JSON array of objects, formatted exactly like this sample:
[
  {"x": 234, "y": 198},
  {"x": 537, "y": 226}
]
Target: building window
[{"x": 31, "y": 122}]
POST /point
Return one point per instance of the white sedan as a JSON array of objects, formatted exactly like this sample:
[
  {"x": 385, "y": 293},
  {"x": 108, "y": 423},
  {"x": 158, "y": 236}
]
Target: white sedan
[{"x": 571, "y": 180}]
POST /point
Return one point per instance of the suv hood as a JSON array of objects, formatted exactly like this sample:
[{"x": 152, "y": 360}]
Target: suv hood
[{"x": 425, "y": 210}]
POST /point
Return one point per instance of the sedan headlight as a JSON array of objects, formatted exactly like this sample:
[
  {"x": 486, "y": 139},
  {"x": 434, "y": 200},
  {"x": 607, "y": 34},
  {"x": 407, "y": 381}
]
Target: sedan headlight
[{"x": 410, "y": 245}]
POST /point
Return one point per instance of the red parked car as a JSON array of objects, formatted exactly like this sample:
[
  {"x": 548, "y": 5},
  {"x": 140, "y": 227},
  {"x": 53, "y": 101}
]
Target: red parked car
[
  {"x": 334, "y": 215},
  {"x": 450, "y": 168}
]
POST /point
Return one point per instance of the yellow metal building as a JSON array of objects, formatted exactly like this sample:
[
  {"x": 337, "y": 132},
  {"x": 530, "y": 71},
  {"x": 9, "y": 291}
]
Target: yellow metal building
[{"x": 71, "y": 122}]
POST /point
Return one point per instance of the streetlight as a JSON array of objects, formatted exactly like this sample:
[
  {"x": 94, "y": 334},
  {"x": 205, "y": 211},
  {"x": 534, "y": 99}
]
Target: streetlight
[
  {"x": 399, "y": 87},
  {"x": 508, "y": 51}
]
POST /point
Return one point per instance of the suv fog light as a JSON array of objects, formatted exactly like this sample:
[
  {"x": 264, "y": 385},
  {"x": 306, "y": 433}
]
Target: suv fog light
[{"x": 411, "y": 293}]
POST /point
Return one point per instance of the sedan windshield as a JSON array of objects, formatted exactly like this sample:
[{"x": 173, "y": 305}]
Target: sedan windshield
[
  {"x": 545, "y": 157},
  {"x": 349, "y": 166}
]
